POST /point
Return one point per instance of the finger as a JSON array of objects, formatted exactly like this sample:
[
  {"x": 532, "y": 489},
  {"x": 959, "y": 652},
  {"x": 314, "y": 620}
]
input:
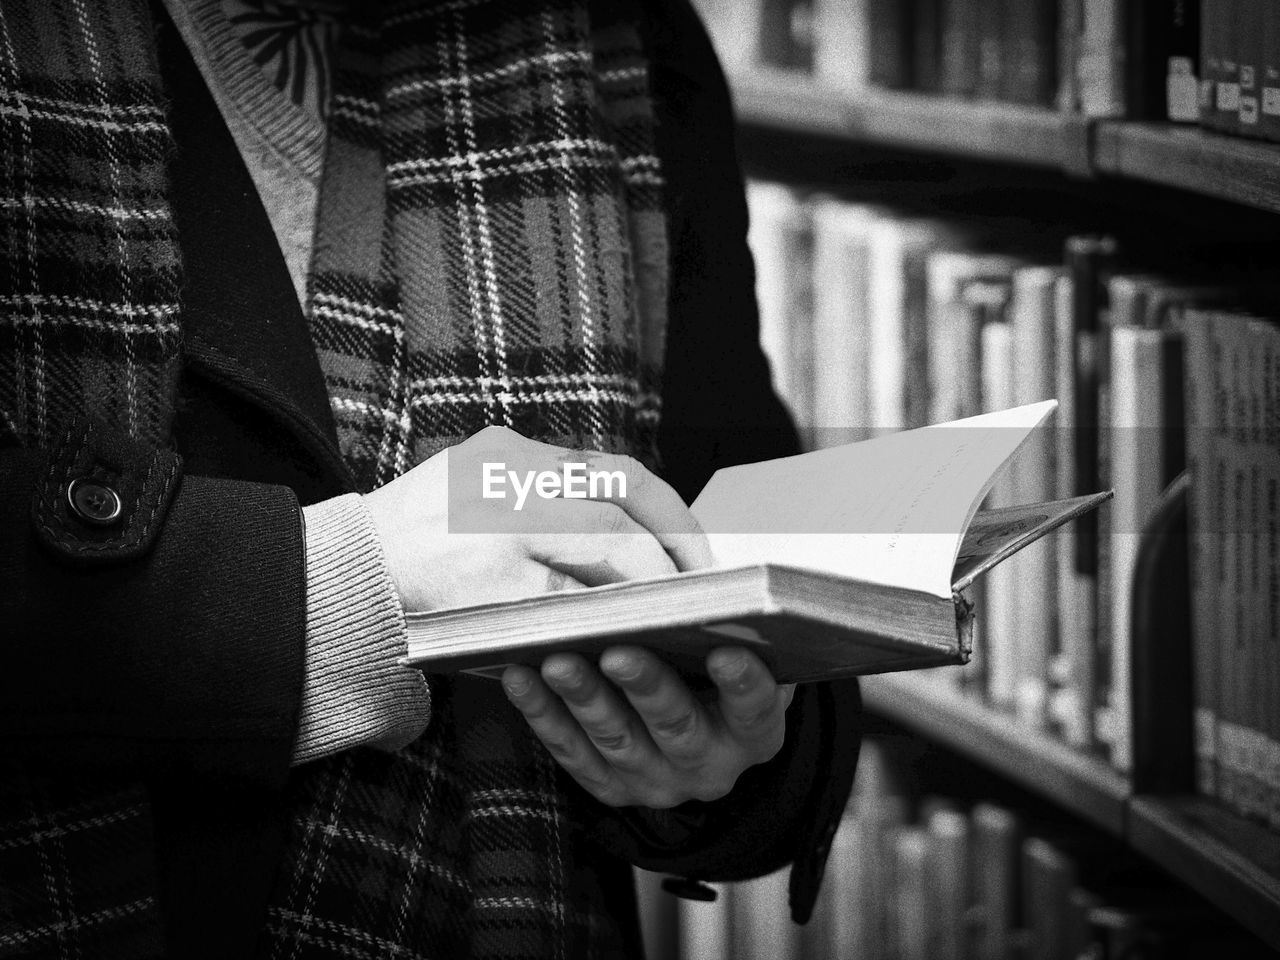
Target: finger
[
  {"x": 751, "y": 704},
  {"x": 605, "y": 717},
  {"x": 677, "y": 723},
  {"x": 656, "y": 506},
  {"x": 564, "y": 739},
  {"x": 603, "y": 545},
  {"x": 522, "y": 578}
]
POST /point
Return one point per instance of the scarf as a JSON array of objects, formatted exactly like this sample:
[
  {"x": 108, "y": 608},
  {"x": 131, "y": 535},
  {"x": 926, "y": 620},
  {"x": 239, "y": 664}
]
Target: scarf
[{"x": 490, "y": 250}]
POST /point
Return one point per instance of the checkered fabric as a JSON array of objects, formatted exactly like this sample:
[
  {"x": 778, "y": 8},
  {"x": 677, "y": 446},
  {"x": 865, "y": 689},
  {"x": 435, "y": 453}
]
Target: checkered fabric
[
  {"x": 509, "y": 268},
  {"x": 89, "y": 279},
  {"x": 90, "y": 275},
  {"x": 491, "y": 250}
]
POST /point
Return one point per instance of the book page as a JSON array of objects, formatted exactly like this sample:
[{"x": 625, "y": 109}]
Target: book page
[{"x": 889, "y": 510}]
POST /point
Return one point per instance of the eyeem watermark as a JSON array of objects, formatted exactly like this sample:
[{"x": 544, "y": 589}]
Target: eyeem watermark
[{"x": 573, "y": 482}]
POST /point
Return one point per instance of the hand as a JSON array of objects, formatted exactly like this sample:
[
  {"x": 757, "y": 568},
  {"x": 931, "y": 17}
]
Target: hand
[
  {"x": 550, "y": 544},
  {"x": 650, "y": 741}
]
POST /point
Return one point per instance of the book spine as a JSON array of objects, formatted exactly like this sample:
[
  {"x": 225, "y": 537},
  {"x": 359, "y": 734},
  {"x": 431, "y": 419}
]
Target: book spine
[
  {"x": 1049, "y": 877},
  {"x": 1219, "y": 526},
  {"x": 1182, "y": 63},
  {"x": 1249, "y": 47},
  {"x": 786, "y": 34},
  {"x": 781, "y": 243},
  {"x": 996, "y": 843},
  {"x": 1162, "y": 59},
  {"x": 947, "y": 899},
  {"x": 891, "y": 40},
  {"x": 992, "y": 52},
  {"x": 1002, "y": 622},
  {"x": 1271, "y": 557},
  {"x": 927, "y": 46},
  {"x": 1035, "y": 574},
  {"x": 1226, "y": 112},
  {"x": 1069, "y": 24},
  {"x": 1269, "y": 124},
  {"x": 841, "y": 258},
  {"x": 842, "y": 47},
  {"x": 1210, "y": 65},
  {"x": 1102, "y": 59},
  {"x": 1142, "y": 412},
  {"x": 1203, "y": 544},
  {"x": 1030, "y": 28},
  {"x": 1075, "y": 700},
  {"x": 913, "y": 922},
  {"x": 960, "y": 47},
  {"x": 1255, "y": 459},
  {"x": 762, "y": 926},
  {"x": 704, "y": 929}
]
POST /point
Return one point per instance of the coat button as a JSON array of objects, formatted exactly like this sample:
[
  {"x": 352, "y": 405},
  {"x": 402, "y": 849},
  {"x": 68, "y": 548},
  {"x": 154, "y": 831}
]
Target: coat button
[{"x": 94, "y": 502}]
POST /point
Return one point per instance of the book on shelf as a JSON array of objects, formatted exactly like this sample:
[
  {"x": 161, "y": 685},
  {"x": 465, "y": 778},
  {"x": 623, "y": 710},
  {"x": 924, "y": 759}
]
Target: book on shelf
[{"x": 839, "y": 562}]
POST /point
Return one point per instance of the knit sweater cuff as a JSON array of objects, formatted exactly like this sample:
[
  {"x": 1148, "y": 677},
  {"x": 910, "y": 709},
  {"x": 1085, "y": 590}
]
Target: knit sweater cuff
[{"x": 355, "y": 693}]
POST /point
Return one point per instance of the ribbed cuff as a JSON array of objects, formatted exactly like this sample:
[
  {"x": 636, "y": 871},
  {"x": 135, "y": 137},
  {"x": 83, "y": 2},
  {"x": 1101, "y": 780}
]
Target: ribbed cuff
[{"x": 355, "y": 693}]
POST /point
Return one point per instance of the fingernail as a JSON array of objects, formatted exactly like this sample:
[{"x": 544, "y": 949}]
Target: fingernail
[
  {"x": 732, "y": 670},
  {"x": 622, "y": 666},
  {"x": 516, "y": 688},
  {"x": 566, "y": 675}
]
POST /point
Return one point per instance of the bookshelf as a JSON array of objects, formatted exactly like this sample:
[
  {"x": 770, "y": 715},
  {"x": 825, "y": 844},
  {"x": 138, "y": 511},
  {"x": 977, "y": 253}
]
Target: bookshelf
[
  {"x": 1188, "y": 158},
  {"x": 1084, "y": 785},
  {"x": 1232, "y": 862},
  {"x": 1230, "y": 168},
  {"x": 1031, "y": 136}
]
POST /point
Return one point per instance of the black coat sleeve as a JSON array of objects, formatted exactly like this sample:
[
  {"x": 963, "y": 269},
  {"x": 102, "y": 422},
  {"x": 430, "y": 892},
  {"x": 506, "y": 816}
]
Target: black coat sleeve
[
  {"x": 719, "y": 409},
  {"x": 172, "y": 638}
]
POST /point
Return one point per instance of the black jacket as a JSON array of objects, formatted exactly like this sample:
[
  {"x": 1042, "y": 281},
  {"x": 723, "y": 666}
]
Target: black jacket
[{"x": 164, "y": 655}]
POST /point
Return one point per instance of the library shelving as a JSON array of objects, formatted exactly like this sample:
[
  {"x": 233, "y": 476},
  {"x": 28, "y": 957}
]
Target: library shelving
[
  {"x": 1188, "y": 158},
  {"x": 1231, "y": 861},
  {"x": 1086, "y": 785},
  {"x": 1032, "y": 136}
]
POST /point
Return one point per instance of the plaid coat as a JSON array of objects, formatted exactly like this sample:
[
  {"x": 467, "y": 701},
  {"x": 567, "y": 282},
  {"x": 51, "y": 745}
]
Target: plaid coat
[{"x": 142, "y": 764}]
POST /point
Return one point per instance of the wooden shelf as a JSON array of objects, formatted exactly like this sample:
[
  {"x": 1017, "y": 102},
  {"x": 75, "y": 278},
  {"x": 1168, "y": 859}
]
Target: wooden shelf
[
  {"x": 1232, "y": 168},
  {"x": 1188, "y": 158},
  {"x": 1085, "y": 785},
  {"x": 1230, "y": 861},
  {"x": 794, "y": 103}
]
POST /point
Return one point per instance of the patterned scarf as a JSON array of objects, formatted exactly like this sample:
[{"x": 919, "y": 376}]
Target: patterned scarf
[
  {"x": 491, "y": 249},
  {"x": 508, "y": 268}
]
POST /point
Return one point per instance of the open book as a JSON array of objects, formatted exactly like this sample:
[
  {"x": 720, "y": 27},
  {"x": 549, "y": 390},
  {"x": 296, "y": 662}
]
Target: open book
[{"x": 844, "y": 561}]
